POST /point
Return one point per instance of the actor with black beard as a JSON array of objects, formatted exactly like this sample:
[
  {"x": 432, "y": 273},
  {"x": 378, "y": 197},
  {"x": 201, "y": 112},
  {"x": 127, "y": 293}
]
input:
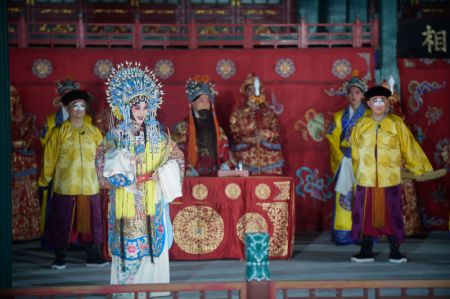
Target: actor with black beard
[{"x": 199, "y": 135}]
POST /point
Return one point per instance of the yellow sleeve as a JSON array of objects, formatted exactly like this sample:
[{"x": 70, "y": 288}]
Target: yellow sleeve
[
  {"x": 87, "y": 119},
  {"x": 51, "y": 150},
  {"x": 47, "y": 129},
  {"x": 415, "y": 158},
  {"x": 334, "y": 141},
  {"x": 98, "y": 136},
  {"x": 355, "y": 141}
]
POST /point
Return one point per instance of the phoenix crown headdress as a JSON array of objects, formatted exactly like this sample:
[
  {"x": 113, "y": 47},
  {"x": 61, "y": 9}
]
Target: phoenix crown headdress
[{"x": 129, "y": 84}]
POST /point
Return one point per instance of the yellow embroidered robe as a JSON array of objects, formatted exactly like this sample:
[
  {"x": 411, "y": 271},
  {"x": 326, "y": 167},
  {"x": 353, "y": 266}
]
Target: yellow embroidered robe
[
  {"x": 69, "y": 159},
  {"x": 393, "y": 141}
]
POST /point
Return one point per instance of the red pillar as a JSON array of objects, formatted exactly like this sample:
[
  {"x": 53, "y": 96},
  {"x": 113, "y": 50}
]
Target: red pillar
[
  {"x": 192, "y": 36},
  {"x": 357, "y": 33},
  {"x": 137, "y": 32},
  {"x": 248, "y": 36},
  {"x": 81, "y": 43},
  {"x": 22, "y": 31}
]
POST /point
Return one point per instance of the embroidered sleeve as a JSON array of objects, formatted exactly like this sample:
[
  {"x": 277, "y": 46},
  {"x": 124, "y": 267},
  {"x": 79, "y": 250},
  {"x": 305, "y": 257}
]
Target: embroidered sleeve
[
  {"x": 51, "y": 154},
  {"x": 334, "y": 142},
  {"x": 105, "y": 145},
  {"x": 177, "y": 155},
  {"x": 224, "y": 149},
  {"x": 119, "y": 180},
  {"x": 179, "y": 135}
]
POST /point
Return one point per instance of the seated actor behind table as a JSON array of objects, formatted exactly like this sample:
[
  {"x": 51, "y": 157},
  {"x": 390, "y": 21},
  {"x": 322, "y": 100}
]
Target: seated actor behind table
[
  {"x": 255, "y": 130},
  {"x": 199, "y": 136}
]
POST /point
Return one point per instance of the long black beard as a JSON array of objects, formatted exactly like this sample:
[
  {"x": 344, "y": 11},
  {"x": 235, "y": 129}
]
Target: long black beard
[
  {"x": 206, "y": 132},
  {"x": 204, "y": 114}
]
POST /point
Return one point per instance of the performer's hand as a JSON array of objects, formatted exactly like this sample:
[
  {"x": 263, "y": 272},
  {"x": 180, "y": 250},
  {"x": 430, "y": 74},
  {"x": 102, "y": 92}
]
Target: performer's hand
[{"x": 155, "y": 176}]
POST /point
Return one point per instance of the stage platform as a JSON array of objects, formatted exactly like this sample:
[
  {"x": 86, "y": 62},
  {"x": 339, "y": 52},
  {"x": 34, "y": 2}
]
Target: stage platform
[{"x": 314, "y": 258}]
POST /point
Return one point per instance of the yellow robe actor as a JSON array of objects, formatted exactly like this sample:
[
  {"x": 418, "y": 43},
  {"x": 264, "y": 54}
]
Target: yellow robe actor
[
  {"x": 393, "y": 141},
  {"x": 339, "y": 145},
  {"x": 76, "y": 173}
]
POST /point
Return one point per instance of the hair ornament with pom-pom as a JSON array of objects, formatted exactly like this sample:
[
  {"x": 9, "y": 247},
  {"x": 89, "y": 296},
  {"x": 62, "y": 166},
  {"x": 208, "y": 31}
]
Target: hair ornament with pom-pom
[{"x": 355, "y": 81}]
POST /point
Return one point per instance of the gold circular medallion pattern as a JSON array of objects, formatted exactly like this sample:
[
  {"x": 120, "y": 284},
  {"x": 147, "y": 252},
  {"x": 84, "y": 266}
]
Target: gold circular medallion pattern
[
  {"x": 251, "y": 223},
  {"x": 199, "y": 192},
  {"x": 198, "y": 230},
  {"x": 262, "y": 191},
  {"x": 233, "y": 191}
]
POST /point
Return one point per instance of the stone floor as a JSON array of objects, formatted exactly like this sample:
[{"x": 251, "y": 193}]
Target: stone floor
[{"x": 314, "y": 258}]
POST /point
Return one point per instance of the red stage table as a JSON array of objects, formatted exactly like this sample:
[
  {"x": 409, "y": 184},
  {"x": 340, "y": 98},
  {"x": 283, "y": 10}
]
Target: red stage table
[{"x": 210, "y": 220}]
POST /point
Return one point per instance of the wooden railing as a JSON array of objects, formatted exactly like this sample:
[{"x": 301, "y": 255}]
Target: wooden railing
[
  {"x": 378, "y": 289},
  {"x": 108, "y": 290},
  {"x": 139, "y": 35},
  {"x": 382, "y": 289}
]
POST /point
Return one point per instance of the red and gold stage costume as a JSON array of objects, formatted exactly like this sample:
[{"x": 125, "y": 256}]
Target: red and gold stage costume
[
  {"x": 255, "y": 131},
  {"x": 25, "y": 201}
]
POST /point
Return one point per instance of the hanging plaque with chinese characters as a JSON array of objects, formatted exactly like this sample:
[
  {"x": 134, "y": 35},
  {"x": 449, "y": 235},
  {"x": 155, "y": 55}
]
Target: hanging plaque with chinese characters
[{"x": 423, "y": 39}]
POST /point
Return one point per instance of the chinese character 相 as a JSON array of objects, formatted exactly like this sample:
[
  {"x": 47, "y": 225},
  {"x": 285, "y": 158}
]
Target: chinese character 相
[{"x": 435, "y": 40}]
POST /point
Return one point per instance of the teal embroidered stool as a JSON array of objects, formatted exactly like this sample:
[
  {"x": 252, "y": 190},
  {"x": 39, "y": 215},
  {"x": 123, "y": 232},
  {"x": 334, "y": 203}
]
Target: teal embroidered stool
[{"x": 257, "y": 256}]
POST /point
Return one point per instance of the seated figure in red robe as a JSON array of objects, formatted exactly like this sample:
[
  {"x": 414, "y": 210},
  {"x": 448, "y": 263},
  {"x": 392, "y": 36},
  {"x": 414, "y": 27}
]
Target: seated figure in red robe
[
  {"x": 199, "y": 135},
  {"x": 255, "y": 131}
]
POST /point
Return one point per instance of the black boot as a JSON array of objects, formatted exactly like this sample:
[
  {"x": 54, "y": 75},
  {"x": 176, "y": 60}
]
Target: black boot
[
  {"x": 59, "y": 263},
  {"x": 365, "y": 255},
  {"x": 395, "y": 256},
  {"x": 94, "y": 258}
]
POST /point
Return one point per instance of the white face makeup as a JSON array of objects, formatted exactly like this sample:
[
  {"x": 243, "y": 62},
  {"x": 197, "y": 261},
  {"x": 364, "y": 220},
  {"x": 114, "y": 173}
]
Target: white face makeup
[
  {"x": 378, "y": 102},
  {"x": 79, "y": 106},
  {"x": 139, "y": 112},
  {"x": 77, "y": 109},
  {"x": 378, "y": 105}
]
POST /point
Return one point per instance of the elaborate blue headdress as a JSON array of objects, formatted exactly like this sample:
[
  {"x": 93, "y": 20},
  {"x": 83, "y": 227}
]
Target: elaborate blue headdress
[
  {"x": 200, "y": 85},
  {"x": 128, "y": 85}
]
